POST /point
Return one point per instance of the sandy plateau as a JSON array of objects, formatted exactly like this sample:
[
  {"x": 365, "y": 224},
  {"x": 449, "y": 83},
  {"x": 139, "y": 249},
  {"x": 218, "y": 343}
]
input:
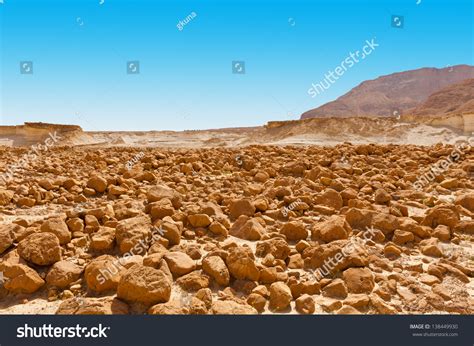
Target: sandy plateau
[{"x": 266, "y": 220}]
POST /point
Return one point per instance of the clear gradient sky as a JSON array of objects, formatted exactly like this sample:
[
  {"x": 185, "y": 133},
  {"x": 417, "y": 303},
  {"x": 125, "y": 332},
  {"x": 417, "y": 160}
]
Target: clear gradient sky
[{"x": 80, "y": 49}]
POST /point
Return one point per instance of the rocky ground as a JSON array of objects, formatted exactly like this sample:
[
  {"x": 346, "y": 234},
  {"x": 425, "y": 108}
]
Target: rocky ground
[{"x": 259, "y": 229}]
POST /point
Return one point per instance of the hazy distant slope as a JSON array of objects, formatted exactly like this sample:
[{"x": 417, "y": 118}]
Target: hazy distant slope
[
  {"x": 396, "y": 92},
  {"x": 454, "y": 99}
]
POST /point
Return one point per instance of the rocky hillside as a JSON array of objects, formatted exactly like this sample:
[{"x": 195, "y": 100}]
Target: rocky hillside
[
  {"x": 396, "y": 92},
  {"x": 36, "y": 133},
  {"x": 454, "y": 99}
]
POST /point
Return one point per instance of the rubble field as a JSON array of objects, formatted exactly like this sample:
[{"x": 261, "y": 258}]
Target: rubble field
[{"x": 348, "y": 229}]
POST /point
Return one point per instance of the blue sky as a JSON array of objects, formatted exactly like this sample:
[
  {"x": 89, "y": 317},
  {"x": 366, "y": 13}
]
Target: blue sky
[{"x": 80, "y": 49}]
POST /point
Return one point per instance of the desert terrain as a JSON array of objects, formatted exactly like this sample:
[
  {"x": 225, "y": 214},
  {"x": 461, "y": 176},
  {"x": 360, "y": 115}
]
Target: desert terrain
[
  {"x": 109, "y": 225},
  {"x": 337, "y": 213}
]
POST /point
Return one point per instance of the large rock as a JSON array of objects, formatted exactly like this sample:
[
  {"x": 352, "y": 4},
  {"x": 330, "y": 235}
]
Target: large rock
[
  {"x": 179, "y": 263},
  {"x": 172, "y": 230},
  {"x": 93, "y": 306},
  {"x": 387, "y": 223},
  {"x": 7, "y": 236},
  {"x": 194, "y": 281},
  {"x": 305, "y": 304},
  {"x": 359, "y": 280},
  {"x": 5, "y": 196},
  {"x": 334, "y": 228},
  {"x": 241, "y": 207},
  {"x": 241, "y": 264},
  {"x": 169, "y": 308},
  {"x": 280, "y": 296},
  {"x": 246, "y": 228},
  {"x": 132, "y": 235},
  {"x": 216, "y": 268},
  {"x": 40, "y": 248},
  {"x": 103, "y": 273},
  {"x": 335, "y": 289},
  {"x": 199, "y": 220},
  {"x": 277, "y": 247},
  {"x": 381, "y": 196},
  {"x": 97, "y": 183},
  {"x": 59, "y": 228},
  {"x": 335, "y": 256},
  {"x": 159, "y": 192},
  {"x": 230, "y": 307},
  {"x": 441, "y": 216},
  {"x": 19, "y": 278},
  {"x": 103, "y": 240},
  {"x": 330, "y": 198},
  {"x": 63, "y": 273},
  {"x": 359, "y": 218},
  {"x": 144, "y": 285},
  {"x": 466, "y": 200},
  {"x": 294, "y": 230}
]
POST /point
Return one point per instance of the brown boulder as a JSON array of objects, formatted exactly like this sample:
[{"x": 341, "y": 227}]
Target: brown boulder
[
  {"x": 359, "y": 280},
  {"x": 441, "y": 216},
  {"x": 59, "y": 228},
  {"x": 382, "y": 196},
  {"x": 63, "y": 273},
  {"x": 93, "y": 306},
  {"x": 280, "y": 296},
  {"x": 334, "y": 228},
  {"x": 7, "y": 236},
  {"x": 241, "y": 207},
  {"x": 305, "y": 304},
  {"x": 159, "y": 192},
  {"x": 103, "y": 273},
  {"x": 19, "y": 278},
  {"x": 5, "y": 196},
  {"x": 133, "y": 234},
  {"x": 241, "y": 264},
  {"x": 230, "y": 307},
  {"x": 179, "y": 263},
  {"x": 144, "y": 285},
  {"x": 169, "y": 308},
  {"x": 103, "y": 240},
  {"x": 216, "y": 268},
  {"x": 97, "y": 183},
  {"x": 335, "y": 289},
  {"x": 330, "y": 198},
  {"x": 277, "y": 247},
  {"x": 194, "y": 281},
  {"x": 248, "y": 229},
  {"x": 199, "y": 220},
  {"x": 466, "y": 200},
  {"x": 40, "y": 248},
  {"x": 294, "y": 230}
]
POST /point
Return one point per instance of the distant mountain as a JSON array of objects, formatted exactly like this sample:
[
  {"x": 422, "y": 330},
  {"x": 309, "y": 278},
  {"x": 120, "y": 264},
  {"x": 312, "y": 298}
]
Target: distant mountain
[
  {"x": 454, "y": 99},
  {"x": 397, "y": 92}
]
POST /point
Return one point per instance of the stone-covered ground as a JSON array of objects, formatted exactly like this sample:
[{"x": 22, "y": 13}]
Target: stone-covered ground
[{"x": 259, "y": 229}]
